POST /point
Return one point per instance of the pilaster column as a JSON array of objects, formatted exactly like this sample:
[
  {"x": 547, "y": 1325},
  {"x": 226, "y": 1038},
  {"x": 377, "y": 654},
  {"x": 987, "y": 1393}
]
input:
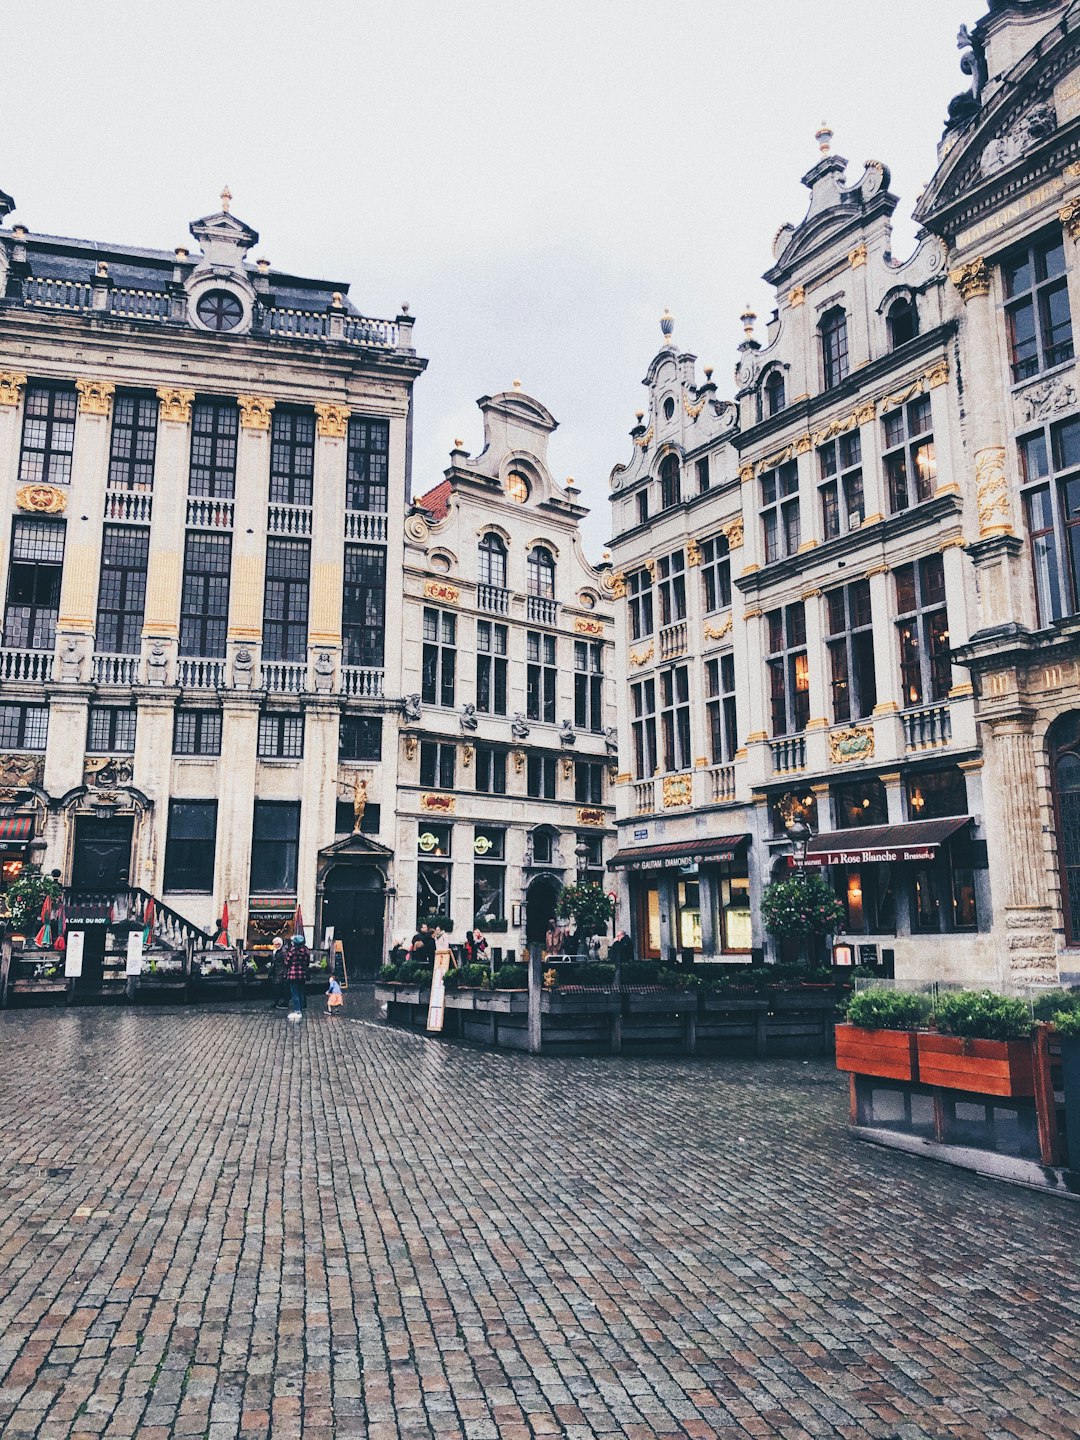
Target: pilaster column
[
  {"x": 753, "y": 683},
  {"x": 172, "y": 461},
  {"x": 153, "y": 775},
  {"x": 820, "y": 710},
  {"x": 888, "y": 734},
  {"x": 236, "y": 804},
  {"x": 327, "y": 534},
  {"x": 319, "y": 795},
  {"x": 66, "y": 747},
  {"x": 86, "y": 507},
  {"x": 11, "y": 388},
  {"x": 249, "y": 526}
]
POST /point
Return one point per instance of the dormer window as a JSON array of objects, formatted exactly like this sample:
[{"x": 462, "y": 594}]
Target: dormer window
[
  {"x": 775, "y": 395},
  {"x": 219, "y": 310},
  {"x": 834, "y": 347},
  {"x": 903, "y": 322}
]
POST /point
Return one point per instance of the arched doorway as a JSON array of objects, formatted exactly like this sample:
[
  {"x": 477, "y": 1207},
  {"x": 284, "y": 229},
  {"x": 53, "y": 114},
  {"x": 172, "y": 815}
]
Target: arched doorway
[
  {"x": 540, "y": 902},
  {"x": 1063, "y": 742},
  {"x": 354, "y": 904}
]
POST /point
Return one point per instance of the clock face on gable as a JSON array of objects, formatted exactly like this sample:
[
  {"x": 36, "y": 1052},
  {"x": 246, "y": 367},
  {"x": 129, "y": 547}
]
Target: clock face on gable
[{"x": 219, "y": 310}]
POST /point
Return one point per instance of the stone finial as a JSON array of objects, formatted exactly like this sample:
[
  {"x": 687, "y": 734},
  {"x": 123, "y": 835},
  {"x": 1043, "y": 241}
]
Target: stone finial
[
  {"x": 824, "y": 137},
  {"x": 404, "y": 307},
  {"x": 262, "y": 265},
  {"x": 639, "y": 416},
  {"x": 103, "y": 267},
  {"x": 516, "y": 384},
  {"x": 458, "y": 442},
  {"x": 226, "y": 199},
  {"x": 747, "y": 318},
  {"x": 667, "y": 326},
  {"x": 337, "y": 301},
  {"x": 181, "y": 252},
  {"x": 708, "y": 373}
]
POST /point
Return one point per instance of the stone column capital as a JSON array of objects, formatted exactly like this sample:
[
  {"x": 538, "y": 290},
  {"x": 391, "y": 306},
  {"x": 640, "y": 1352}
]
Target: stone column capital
[
  {"x": 11, "y": 383},
  {"x": 254, "y": 411},
  {"x": 333, "y": 420},
  {"x": 973, "y": 279},
  {"x": 175, "y": 404},
  {"x": 95, "y": 396},
  {"x": 1069, "y": 215}
]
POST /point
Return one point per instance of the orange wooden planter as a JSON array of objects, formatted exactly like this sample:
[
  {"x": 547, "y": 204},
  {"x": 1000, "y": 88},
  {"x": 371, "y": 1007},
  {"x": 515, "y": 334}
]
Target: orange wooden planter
[
  {"x": 983, "y": 1067},
  {"x": 889, "y": 1054}
]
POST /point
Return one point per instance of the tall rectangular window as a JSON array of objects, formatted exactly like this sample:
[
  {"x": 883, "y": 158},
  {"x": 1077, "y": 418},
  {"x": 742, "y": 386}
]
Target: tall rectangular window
[
  {"x": 1050, "y": 469},
  {"x": 33, "y": 595},
  {"x": 285, "y": 603},
  {"x": 922, "y": 628},
  {"x": 780, "y": 524},
  {"x": 675, "y": 717},
  {"x": 720, "y": 708},
  {"x": 910, "y": 458},
  {"x": 214, "y": 425},
  {"x": 437, "y": 681},
  {"x": 48, "y": 437},
  {"x": 643, "y": 728},
  {"x": 489, "y": 874},
  {"x": 669, "y": 482},
  {"x": 433, "y": 871},
  {"x": 716, "y": 573},
  {"x": 360, "y": 737},
  {"x": 851, "y": 651},
  {"x": 110, "y": 730},
  {"x": 701, "y": 468},
  {"x": 368, "y": 464},
  {"x": 134, "y": 442},
  {"x": 189, "y": 846},
  {"x": 491, "y": 648},
  {"x": 540, "y": 676},
  {"x": 788, "y": 669},
  {"x": 841, "y": 490},
  {"x": 204, "y": 598},
  {"x": 639, "y": 591},
  {"x": 24, "y": 727},
  {"x": 589, "y": 782},
  {"x": 671, "y": 570},
  {"x": 363, "y": 605},
  {"x": 540, "y": 776},
  {"x": 437, "y": 763},
  {"x": 1037, "y": 307},
  {"x": 834, "y": 348},
  {"x": 589, "y": 685},
  {"x": 125, "y": 551},
  {"x": 281, "y": 737},
  {"x": 292, "y": 456},
  {"x": 197, "y": 732},
  {"x": 275, "y": 845},
  {"x": 490, "y": 770}
]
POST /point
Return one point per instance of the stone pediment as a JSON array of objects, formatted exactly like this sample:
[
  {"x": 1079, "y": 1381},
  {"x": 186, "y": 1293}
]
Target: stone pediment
[
  {"x": 836, "y": 212},
  {"x": 223, "y": 239},
  {"x": 357, "y": 847}
]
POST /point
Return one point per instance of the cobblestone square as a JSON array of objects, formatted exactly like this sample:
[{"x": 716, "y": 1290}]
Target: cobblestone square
[{"x": 215, "y": 1223}]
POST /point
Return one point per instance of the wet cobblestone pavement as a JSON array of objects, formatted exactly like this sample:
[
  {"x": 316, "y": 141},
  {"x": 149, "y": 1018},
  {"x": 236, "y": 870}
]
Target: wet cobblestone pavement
[{"x": 214, "y": 1223}]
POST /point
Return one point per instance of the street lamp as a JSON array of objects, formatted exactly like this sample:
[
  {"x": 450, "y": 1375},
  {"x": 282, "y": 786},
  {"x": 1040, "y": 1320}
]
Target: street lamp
[{"x": 800, "y": 833}]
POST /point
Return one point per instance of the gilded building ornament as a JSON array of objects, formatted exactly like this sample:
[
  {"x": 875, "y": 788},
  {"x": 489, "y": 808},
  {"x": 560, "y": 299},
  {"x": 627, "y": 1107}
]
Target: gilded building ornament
[
  {"x": 678, "y": 790},
  {"x": 583, "y": 626},
  {"x": 692, "y": 410},
  {"x": 644, "y": 441},
  {"x": 19, "y": 771},
  {"x": 590, "y": 815},
  {"x": 333, "y": 420},
  {"x": 409, "y": 742},
  {"x": 937, "y": 375},
  {"x": 796, "y": 295},
  {"x": 857, "y": 257},
  {"x": 44, "y": 499},
  {"x": 442, "y": 590},
  {"x": 803, "y": 444},
  {"x": 254, "y": 412},
  {"x": 641, "y": 657},
  {"x": 972, "y": 279},
  {"x": 107, "y": 771},
  {"x": 693, "y": 552},
  {"x": 992, "y": 492},
  {"x": 519, "y": 761},
  {"x": 854, "y": 743},
  {"x": 618, "y": 585},
  {"x": 717, "y": 632},
  {"x": 867, "y": 413},
  {"x": 733, "y": 532},
  {"x": 467, "y": 751},
  {"x": 11, "y": 382},
  {"x": 567, "y": 767},
  {"x": 175, "y": 404},
  {"x": 438, "y": 804},
  {"x": 650, "y": 565},
  {"x": 746, "y": 473},
  {"x": 95, "y": 396},
  {"x": 1072, "y": 170}
]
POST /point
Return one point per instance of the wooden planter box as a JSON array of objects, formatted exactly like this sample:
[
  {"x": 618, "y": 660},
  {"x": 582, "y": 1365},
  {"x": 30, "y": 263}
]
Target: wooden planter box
[
  {"x": 888, "y": 1054},
  {"x": 982, "y": 1067},
  {"x": 663, "y": 1002},
  {"x": 501, "y": 1002},
  {"x": 553, "y": 1002},
  {"x": 805, "y": 997}
]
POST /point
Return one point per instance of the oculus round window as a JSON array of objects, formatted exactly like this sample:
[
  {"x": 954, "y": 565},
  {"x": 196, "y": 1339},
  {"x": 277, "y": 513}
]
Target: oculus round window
[
  {"x": 219, "y": 310},
  {"x": 517, "y": 487}
]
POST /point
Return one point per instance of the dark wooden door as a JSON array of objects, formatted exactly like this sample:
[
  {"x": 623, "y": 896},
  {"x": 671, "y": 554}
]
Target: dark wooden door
[
  {"x": 354, "y": 905},
  {"x": 102, "y": 858}
]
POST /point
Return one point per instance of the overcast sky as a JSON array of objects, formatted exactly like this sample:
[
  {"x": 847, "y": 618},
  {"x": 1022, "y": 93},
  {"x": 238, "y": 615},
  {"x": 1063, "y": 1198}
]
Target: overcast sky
[{"x": 537, "y": 180}]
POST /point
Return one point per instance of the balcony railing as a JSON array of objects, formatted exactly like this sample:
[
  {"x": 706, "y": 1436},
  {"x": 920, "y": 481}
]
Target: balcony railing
[
  {"x": 493, "y": 599},
  {"x": 115, "y": 669},
  {"x": 139, "y": 304},
  {"x": 289, "y": 519},
  {"x": 644, "y": 797},
  {"x": 365, "y": 526},
  {"x": 721, "y": 783},
  {"x": 540, "y": 610},
  {"x": 282, "y": 677},
  {"x": 200, "y": 674},
  {"x": 928, "y": 728},
  {"x": 305, "y": 324},
  {"x": 788, "y": 754},
  {"x": 35, "y": 666},
  {"x": 673, "y": 640},
  {"x": 359, "y": 330},
  {"x": 209, "y": 514},
  {"x": 133, "y": 506},
  {"x": 58, "y": 294},
  {"x": 361, "y": 682}
]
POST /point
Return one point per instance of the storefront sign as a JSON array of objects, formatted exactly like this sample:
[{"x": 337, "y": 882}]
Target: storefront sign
[
  {"x": 875, "y": 855},
  {"x": 641, "y": 834},
  {"x": 683, "y": 862},
  {"x": 134, "y": 953},
  {"x": 73, "y": 955}
]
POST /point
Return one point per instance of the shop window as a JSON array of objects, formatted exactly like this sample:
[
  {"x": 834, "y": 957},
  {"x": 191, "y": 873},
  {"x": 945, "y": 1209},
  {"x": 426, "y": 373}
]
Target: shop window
[
  {"x": 780, "y": 524},
  {"x": 943, "y": 896},
  {"x": 790, "y": 806},
  {"x": 648, "y": 919},
  {"x": 735, "y": 921},
  {"x": 935, "y": 794},
  {"x": 489, "y": 874},
  {"x": 189, "y": 845},
  {"x": 275, "y": 847},
  {"x": 1063, "y": 742},
  {"x": 689, "y": 901},
  {"x": 433, "y": 871},
  {"x": 861, "y": 803},
  {"x": 867, "y": 895}
]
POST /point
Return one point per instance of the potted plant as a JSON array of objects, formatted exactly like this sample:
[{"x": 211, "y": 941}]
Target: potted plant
[
  {"x": 981, "y": 1044},
  {"x": 802, "y": 908},
  {"x": 879, "y": 1036},
  {"x": 25, "y": 897}
]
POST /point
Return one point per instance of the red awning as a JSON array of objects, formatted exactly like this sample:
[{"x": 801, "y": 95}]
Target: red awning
[
  {"x": 872, "y": 844},
  {"x": 683, "y": 852},
  {"x": 18, "y": 828}
]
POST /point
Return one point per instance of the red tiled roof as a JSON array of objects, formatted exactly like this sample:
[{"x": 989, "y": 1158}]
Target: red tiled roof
[{"x": 436, "y": 500}]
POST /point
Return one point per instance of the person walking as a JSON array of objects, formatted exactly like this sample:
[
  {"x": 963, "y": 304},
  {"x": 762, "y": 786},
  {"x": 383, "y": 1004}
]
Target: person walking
[{"x": 297, "y": 968}]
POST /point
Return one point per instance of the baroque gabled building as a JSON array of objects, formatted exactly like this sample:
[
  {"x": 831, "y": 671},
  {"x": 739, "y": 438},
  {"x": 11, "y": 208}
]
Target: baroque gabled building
[
  {"x": 848, "y": 594},
  {"x": 507, "y": 754},
  {"x": 204, "y": 470}
]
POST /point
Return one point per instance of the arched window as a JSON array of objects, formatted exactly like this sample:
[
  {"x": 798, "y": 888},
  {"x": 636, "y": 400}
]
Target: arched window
[
  {"x": 834, "y": 347},
  {"x": 1064, "y": 738},
  {"x": 903, "y": 322},
  {"x": 669, "y": 482},
  {"x": 774, "y": 394},
  {"x": 491, "y": 555},
  {"x": 541, "y": 573}
]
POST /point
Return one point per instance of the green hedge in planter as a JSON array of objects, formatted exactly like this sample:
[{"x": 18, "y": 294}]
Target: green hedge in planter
[
  {"x": 982, "y": 1015},
  {"x": 1052, "y": 1003},
  {"x": 888, "y": 1010},
  {"x": 1067, "y": 1023},
  {"x": 511, "y": 977},
  {"x": 587, "y": 972},
  {"x": 678, "y": 979}
]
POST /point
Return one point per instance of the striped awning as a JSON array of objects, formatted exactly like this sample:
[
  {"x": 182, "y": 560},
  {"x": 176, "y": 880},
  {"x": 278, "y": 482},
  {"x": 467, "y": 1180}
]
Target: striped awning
[{"x": 18, "y": 829}]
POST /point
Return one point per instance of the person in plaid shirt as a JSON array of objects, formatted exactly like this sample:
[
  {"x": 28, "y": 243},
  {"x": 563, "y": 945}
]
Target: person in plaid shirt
[{"x": 297, "y": 966}]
